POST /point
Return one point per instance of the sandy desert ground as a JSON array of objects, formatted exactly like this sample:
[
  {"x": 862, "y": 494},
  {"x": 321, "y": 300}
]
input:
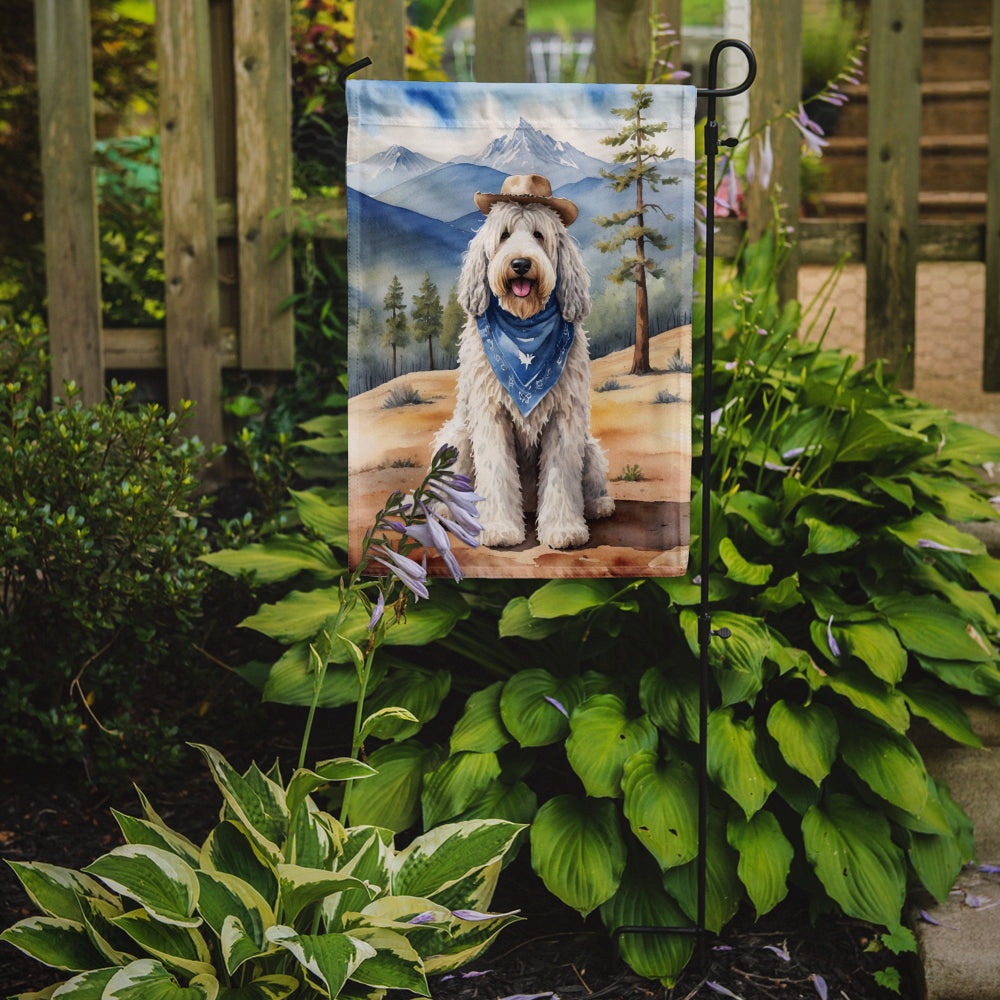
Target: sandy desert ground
[{"x": 389, "y": 449}]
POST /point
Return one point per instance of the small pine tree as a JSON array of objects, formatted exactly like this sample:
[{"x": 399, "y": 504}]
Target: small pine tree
[
  {"x": 642, "y": 171},
  {"x": 396, "y": 333},
  {"x": 427, "y": 316},
  {"x": 452, "y": 323}
]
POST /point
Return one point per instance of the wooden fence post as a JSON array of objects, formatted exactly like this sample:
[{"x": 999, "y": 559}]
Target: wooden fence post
[
  {"x": 991, "y": 332},
  {"x": 72, "y": 255},
  {"x": 892, "y": 214},
  {"x": 501, "y": 41},
  {"x": 776, "y": 35},
  {"x": 262, "y": 60},
  {"x": 190, "y": 251},
  {"x": 380, "y": 34},
  {"x": 621, "y": 40}
]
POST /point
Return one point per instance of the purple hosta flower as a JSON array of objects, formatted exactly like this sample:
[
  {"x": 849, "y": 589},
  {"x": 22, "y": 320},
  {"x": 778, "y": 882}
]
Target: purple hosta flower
[
  {"x": 780, "y": 952},
  {"x": 465, "y": 975},
  {"x": 834, "y": 648},
  {"x": 432, "y": 536},
  {"x": 461, "y": 503},
  {"x": 475, "y": 915},
  {"x": 811, "y": 132},
  {"x": 761, "y": 164},
  {"x": 989, "y": 869},
  {"x": 728, "y": 195},
  {"x": 552, "y": 701},
  {"x": 820, "y": 983},
  {"x": 377, "y": 612},
  {"x": 928, "y": 543},
  {"x": 412, "y": 575},
  {"x": 927, "y": 918},
  {"x": 427, "y": 917},
  {"x": 719, "y": 988}
]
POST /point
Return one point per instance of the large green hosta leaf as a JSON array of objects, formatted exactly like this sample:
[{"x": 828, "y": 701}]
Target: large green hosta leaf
[
  {"x": 741, "y": 570},
  {"x": 732, "y": 760},
  {"x": 535, "y": 706},
  {"x": 456, "y": 784},
  {"x": 661, "y": 806},
  {"x": 876, "y": 645},
  {"x": 738, "y": 661},
  {"x": 888, "y": 763},
  {"x": 926, "y": 528},
  {"x": 850, "y": 848},
  {"x": 932, "y": 628},
  {"x": 391, "y": 798},
  {"x": 278, "y": 558},
  {"x": 481, "y": 727},
  {"x": 415, "y": 689},
  {"x": 602, "y": 738},
  {"x": 723, "y": 889},
  {"x": 807, "y": 736},
  {"x": 578, "y": 851},
  {"x": 641, "y": 901},
  {"x": 671, "y": 700},
  {"x": 559, "y": 598},
  {"x": 941, "y": 709},
  {"x": 765, "y": 858}
]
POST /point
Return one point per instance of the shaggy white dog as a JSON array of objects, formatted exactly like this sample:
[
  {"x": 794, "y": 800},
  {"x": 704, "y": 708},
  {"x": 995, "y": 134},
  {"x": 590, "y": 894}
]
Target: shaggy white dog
[{"x": 524, "y": 437}]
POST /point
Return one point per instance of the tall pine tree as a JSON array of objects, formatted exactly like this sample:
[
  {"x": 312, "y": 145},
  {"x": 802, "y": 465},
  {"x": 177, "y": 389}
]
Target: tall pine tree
[
  {"x": 427, "y": 316},
  {"x": 642, "y": 171},
  {"x": 396, "y": 334}
]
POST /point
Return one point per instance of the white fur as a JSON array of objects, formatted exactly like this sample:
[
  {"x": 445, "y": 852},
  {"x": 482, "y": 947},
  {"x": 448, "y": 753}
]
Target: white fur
[{"x": 548, "y": 461}]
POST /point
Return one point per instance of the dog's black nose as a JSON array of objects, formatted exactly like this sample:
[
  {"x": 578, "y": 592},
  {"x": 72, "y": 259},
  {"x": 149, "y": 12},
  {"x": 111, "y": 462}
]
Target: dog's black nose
[{"x": 520, "y": 266}]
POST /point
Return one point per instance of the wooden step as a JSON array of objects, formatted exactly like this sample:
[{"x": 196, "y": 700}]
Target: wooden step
[
  {"x": 947, "y": 162},
  {"x": 956, "y": 53},
  {"x": 957, "y": 206},
  {"x": 940, "y": 13},
  {"x": 947, "y": 106}
]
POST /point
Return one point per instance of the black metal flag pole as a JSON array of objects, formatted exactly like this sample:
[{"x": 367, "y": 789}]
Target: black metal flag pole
[{"x": 705, "y": 632}]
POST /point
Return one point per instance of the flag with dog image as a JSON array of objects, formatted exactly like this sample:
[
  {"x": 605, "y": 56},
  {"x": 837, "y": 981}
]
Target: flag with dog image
[{"x": 520, "y": 266}]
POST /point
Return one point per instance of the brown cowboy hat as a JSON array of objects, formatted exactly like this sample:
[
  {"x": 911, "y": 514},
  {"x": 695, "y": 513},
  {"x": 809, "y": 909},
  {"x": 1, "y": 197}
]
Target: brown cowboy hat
[{"x": 528, "y": 189}]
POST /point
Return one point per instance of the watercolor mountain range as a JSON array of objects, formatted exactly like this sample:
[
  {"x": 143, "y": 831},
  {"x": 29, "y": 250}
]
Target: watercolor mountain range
[{"x": 418, "y": 216}]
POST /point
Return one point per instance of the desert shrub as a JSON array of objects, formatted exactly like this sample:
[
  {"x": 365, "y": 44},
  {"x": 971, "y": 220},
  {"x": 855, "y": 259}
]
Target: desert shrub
[
  {"x": 609, "y": 385},
  {"x": 666, "y": 396},
  {"x": 402, "y": 395},
  {"x": 99, "y": 539}
]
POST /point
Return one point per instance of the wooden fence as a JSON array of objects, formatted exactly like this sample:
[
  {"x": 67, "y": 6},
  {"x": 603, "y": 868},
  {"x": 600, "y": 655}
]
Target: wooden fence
[{"x": 226, "y": 161}]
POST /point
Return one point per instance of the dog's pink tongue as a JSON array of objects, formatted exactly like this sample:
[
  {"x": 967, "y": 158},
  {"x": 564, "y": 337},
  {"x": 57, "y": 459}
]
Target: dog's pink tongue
[{"x": 521, "y": 287}]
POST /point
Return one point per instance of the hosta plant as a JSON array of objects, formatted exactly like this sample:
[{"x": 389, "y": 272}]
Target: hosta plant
[
  {"x": 856, "y": 604},
  {"x": 279, "y": 900}
]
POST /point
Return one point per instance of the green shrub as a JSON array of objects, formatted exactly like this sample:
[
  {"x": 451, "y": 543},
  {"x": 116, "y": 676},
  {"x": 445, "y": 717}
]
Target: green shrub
[
  {"x": 279, "y": 900},
  {"x": 99, "y": 546}
]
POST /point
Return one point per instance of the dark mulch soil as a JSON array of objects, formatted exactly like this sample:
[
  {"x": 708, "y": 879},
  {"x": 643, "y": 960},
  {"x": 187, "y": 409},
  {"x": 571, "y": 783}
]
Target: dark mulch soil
[{"x": 551, "y": 951}]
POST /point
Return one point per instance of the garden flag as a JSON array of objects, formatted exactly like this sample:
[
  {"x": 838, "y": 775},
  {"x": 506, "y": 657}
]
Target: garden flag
[{"x": 520, "y": 273}]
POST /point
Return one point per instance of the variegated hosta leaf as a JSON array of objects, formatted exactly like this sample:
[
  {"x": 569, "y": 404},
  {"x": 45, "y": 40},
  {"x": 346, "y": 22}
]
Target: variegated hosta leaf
[
  {"x": 54, "y": 941},
  {"x": 578, "y": 851},
  {"x": 177, "y": 947},
  {"x": 456, "y": 784},
  {"x": 158, "y": 880},
  {"x": 300, "y": 887},
  {"x": 642, "y": 902},
  {"x": 765, "y": 858},
  {"x": 366, "y": 855},
  {"x": 256, "y": 801},
  {"x": 661, "y": 800},
  {"x": 86, "y": 986},
  {"x": 395, "y": 964},
  {"x": 535, "y": 706},
  {"x": 56, "y": 891},
  {"x": 315, "y": 838},
  {"x": 602, "y": 737},
  {"x": 723, "y": 889},
  {"x": 225, "y": 897},
  {"x": 468, "y": 939},
  {"x": 230, "y": 849},
  {"x": 732, "y": 760},
  {"x": 391, "y": 799},
  {"x": 441, "y": 857},
  {"x": 274, "y": 987},
  {"x": 807, "y": 736},
  {"x": 481, "y": 727},
  {"x": 476, "y": 890},
  {"x": 850, "y": 847},
  {"x": 304, "y": 782},
  {"x": 888, "y": 763},
  {"x": 329, "y": 959},
  {"x": 147, "y": 979},
  {"x": 141, "y": 831},
  {"x": 116, "y": 947}
]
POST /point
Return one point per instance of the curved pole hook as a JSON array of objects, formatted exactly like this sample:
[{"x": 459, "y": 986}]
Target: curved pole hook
[
  {"x": 713, "y": 69},
  {"x": 353, "y": 68}
]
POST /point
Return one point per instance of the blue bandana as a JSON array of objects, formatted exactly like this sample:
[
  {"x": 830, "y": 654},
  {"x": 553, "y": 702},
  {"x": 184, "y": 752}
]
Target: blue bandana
[{"x": 527, "y": 355}]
